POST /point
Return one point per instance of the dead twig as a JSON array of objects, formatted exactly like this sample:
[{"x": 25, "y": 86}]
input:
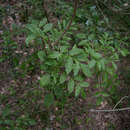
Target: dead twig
[
  {"x": 114, "y": 110},
  {"x": 120, "y": 101}
]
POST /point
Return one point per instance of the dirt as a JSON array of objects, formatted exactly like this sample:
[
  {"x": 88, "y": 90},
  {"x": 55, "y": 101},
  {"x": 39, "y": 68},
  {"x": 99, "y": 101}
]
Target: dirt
[{"x": 77, "y": 115}]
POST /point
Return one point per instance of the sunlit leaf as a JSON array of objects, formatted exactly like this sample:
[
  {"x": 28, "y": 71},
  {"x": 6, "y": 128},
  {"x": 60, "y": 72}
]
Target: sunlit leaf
[
  {"x": 77, "y": 91},
  {"x": 91, "y": 64},
  {"x": 43, "y": 22},
  {"x": 81, "y": 35},
  {"x": 45, "y": 80},
  {"x": 84, "y": 84},
  {"x": 76, "y": 68},
  {"x": 83, "y": 42},
  {"x": 54, "y": 55},
  {"x": 69, "y": 65},
  {"x": 75, "y": 51},
  {"x": 71, "y": 86},
  {"x": 29, "y": 39},
  {"x": 99, "y": 65},
  {"x": 86, "y": 70},
  {"x": 114, "y": 65},
  {"x": 123, "y": 53},
  {"x": 48, "y": 27},
  {"x": 41, "y": 55},
  {"x": 63, "y": 78},
  {"x": 96, "y": 55}
]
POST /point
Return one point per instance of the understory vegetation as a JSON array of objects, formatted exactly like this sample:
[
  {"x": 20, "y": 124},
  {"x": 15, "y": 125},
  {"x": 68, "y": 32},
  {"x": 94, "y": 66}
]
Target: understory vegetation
[{"x": 61, "y": 62}]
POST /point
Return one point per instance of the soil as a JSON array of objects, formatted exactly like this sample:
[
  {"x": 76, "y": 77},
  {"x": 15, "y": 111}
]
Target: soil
[{"x": 77, "y": 114}]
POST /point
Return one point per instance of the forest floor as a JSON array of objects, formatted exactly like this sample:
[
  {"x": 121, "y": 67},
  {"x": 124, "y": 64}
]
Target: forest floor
[{"x": 21, "y": 98}]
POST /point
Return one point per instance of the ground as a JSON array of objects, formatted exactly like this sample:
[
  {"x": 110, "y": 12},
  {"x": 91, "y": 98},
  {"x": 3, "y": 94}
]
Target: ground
[{"x": 21, "y": 97}]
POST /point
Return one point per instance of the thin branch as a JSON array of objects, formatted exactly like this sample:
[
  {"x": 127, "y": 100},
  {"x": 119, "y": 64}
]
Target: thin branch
[
  {"x": 69, "y": 24},
  {"x": 120, "y": 101},
  {"x": 112, "y": 110}
]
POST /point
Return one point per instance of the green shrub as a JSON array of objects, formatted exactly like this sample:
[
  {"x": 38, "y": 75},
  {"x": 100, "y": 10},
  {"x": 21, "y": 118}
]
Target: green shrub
[{"x": 67, "y": 66}]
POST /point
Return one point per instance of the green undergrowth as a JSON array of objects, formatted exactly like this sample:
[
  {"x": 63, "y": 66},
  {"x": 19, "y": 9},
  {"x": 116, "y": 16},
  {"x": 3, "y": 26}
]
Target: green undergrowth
[{"x": 44, "y": 75}]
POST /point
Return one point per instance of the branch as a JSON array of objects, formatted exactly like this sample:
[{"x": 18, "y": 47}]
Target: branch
[
  {"x": 120, "y": 101},
  {"x": 112, "y": 110},
  {"x": 69, "y": 24}
]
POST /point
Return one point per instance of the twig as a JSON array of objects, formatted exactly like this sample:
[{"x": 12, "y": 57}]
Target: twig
[
  {"x": 69, "y": 24},
  {"x": 120, "y": 101},
  {"x": 112, "y": 110}
]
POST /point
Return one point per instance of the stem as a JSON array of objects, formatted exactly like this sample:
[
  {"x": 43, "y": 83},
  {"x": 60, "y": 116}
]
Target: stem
[
  {"x": 112, "y": 110},
  {"x": 69, "y": 24}
]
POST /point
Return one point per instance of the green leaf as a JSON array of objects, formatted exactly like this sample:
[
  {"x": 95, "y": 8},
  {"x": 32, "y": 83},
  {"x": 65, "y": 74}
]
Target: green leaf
[
  {"x": 45, "y": 80},
  {"x": 6, "y": 112},
  {"x": 102, "y": 62},
  {"x": 33, "y": 28},
  {"x": 81, "y": 36},
  {"x": 59, "y": 92},
  {"x": 29, "y": 39},
  {"x": 116, "y": 56},
  {"x": 84, "y": 84},
  {"x": 75, "y": 51},
  {"x": 96, "y": 55},
  {"x": 101, "y": 94},
  {"x": 105, "y": 94},
  {"x": 82, "y": 57},
  {"x": 114, "y": 65},
  {"x": 47, "y": 27},
  {"x": 1, "y": 60},
  {"x": 86, "y": 70},
  {"x": 77, "y": 91},
  {"x": 48, "y": 100},
  {"x": 69, "y": 65},
  {"x": 78, "y": 78},
  {"x": 91, "y": 64},
  {"x": 59, "y": 25},
  {"x": 8, "y": 122},
  {"x": 83, "y": 42},
  {"x": 43, "y": 22},
  {"x": 71, "y": 86},
  {"x": 99, "y": 100},
  {"x": 123, "y": 53},
  {"x": 32, "y": 122},
  {"x": 62, "y": 78},
  {"x": 54, "y": 55},
  {"x": 54, "y": 79},
  {"x": 63, "y": 49},
  {"x": 99, "y": 65},
  {"x": 76, "y": 68},
  {"x": 83, "y": 93},
  {"x": 41, "y": 55}
]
